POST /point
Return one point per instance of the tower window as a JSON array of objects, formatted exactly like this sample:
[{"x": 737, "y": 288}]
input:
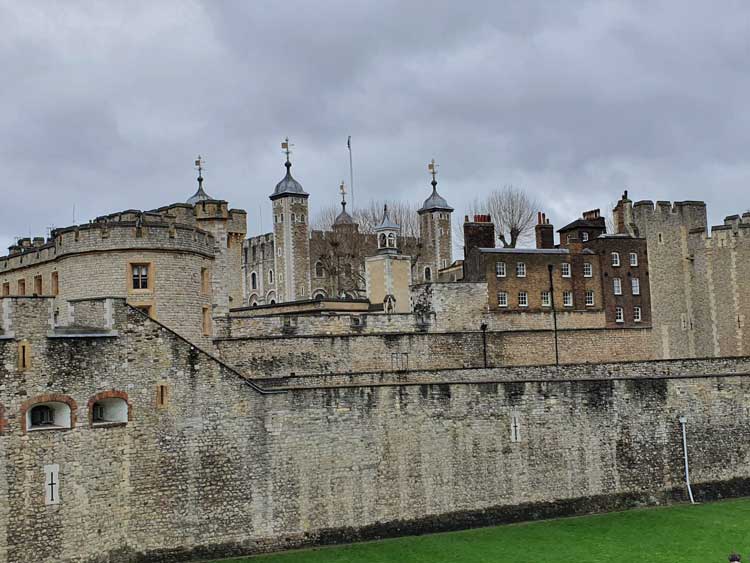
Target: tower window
[
  {"x": 140, "y": 276},
  {"x": 270, "y": 276},
  {"x": 205, "y": 281},
  {"x": 319, "y": 272},
  {"x": 254, "y": 281},
  {"x": 55, "y": 283},
  {"x": 22, "y": 287},
  {"x": 37, "y": 285},
  {"x": 391, "y": 240},
  {"x": 427, "y": 274}
]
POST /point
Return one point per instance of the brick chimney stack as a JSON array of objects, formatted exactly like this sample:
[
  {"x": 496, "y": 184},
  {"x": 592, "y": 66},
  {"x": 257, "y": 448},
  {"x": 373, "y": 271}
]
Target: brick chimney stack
[
  {"x": 479, "y": 233},
  {"x": 545, "y": 233}
]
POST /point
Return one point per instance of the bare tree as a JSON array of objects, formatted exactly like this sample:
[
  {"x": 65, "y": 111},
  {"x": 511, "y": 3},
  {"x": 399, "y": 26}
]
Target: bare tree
[{"x": 512, "y": 211}]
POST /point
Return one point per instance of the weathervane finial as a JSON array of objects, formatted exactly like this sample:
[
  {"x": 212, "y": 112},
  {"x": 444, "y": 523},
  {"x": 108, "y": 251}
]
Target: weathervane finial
[
  {"x": 432, "y": 167},
  {"x": 286, "y": 146},
  {"x": 199, "y": 162}
]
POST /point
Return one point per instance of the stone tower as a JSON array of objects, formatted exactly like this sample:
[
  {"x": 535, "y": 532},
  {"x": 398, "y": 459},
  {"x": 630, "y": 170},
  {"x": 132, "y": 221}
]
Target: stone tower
[
  {"x": 666, "y": 227},
  {"x": 291, "y": 238},
  {"x": 434, "y": 232},
  {"x": 388, "y": 273}
]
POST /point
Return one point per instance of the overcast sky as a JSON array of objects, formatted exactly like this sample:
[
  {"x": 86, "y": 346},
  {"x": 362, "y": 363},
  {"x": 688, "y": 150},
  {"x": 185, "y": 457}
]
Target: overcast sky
[{"x": 106, "y": 104}]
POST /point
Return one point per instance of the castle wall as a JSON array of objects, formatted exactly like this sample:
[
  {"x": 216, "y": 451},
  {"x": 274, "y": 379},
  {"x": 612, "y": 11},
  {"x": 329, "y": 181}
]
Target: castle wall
[
  {"x": 222, "y": 469},
  {"x": 282, "y": 355},
  {"x": 720, "y": 266},
  {"x": 666, "y": 226}
]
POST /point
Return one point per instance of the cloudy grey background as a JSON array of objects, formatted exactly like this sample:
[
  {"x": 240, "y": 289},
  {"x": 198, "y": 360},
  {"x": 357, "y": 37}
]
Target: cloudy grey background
[{"x": 106, "y": 104}]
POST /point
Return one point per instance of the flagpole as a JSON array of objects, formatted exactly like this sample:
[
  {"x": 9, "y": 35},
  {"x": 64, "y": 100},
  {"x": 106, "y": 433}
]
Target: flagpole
[{"x": 351, "y": 168}]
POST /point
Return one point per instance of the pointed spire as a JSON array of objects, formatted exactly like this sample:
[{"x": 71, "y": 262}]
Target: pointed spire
[{"x": 199, "y": 195}]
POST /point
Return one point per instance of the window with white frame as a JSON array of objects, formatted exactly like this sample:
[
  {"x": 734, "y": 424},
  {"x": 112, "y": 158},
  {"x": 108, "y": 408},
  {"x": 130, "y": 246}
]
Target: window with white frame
[
  {"x": 584, "y": 236},
  {"x": 546, "y": 300},
  {"x": 500, "y": 269},
  {"x": 635, "y": 285},
  {"x": 637, "y": 314},
  {"x": 619, "y": 315},
  {"x": 615, "y": 258},
  {"x": 589, "y": 298},
  {"x": 521, "y": 269},
  {"x": 588, "y": 271},
  {"x": 565, "y": 269},
  {"x": 617, "y": 286},
  {"x": 502, "y": 299},
  {"x": 567, "y": 298},
  {"x": 523, "y": 299},
  {"x": 633, "y": 259}
]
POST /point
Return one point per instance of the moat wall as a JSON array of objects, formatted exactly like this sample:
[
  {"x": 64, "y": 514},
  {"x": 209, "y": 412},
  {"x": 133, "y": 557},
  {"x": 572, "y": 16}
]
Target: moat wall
[{"x": 225, "y": 469}]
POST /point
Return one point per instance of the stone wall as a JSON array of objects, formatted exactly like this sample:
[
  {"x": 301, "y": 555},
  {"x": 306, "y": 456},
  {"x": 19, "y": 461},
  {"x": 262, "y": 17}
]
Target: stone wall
[
  {"x": 222, "y": 468},
  {"x": 280, "y": 356}
]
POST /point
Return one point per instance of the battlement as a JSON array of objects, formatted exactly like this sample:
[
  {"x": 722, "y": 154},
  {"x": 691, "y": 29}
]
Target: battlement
[
  {"x": 690, "y": 214},
  {"x": 736, "y": 227},
  {"x": 147, "y": 231}
]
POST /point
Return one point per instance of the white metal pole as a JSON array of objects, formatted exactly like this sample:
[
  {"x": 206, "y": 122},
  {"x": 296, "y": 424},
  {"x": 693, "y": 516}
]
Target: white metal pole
[{"x": 683, "y": 421}]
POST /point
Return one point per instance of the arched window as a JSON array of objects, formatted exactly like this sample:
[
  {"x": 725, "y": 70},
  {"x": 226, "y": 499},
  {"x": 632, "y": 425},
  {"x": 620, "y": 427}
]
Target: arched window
[
  {"x": 427, "y": 273},
  {"x": 109, "y": 407},
  {"x": 318, "y": 269},
  {"x": 271, "y": 297},
  {"x": 319, "y": 295},
  {"x": 270, "y": 276},
  {"x": 273, "y": 301},
  {"x": 48, "y": 412},
  {"x": 382, "y": 241},
  {"x": 391, "y": 240},
  {"x": 254, "y": 281},
  {"x": 262, "y": 251}
]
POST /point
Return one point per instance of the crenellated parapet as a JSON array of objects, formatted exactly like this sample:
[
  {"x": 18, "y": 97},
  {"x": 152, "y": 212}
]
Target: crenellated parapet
[{"x": 124, "y": 231}]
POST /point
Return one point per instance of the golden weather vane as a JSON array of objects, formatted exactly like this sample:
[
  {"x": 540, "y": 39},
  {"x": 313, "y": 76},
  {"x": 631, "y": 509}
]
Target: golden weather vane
[
  {"x": 286, "y": 146},
  {"x": 432, "y": 167}
]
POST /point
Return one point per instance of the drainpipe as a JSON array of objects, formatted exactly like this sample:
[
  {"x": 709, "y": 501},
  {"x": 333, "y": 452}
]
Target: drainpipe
[
  {"x": 554, "y": 313},
  {"x": 683, "y": 421}
]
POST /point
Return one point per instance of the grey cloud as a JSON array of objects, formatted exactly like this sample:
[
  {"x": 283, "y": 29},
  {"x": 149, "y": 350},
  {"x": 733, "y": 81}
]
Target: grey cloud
[{"x": 106, "y": 105}]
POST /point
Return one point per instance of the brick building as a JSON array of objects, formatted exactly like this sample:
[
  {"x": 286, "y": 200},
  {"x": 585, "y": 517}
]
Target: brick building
[{"x": 589, "y": 271}]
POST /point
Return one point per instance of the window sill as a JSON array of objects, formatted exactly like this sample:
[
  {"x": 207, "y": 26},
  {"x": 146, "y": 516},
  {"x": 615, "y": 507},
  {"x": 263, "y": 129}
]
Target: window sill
[
  {"x": 108, "y": 424},
  {"x": 47, "y": 429}
]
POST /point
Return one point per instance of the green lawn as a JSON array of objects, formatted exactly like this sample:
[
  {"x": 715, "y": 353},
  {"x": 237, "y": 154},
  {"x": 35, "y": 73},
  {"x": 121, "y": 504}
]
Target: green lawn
[{"x": 686, "y": 534}]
